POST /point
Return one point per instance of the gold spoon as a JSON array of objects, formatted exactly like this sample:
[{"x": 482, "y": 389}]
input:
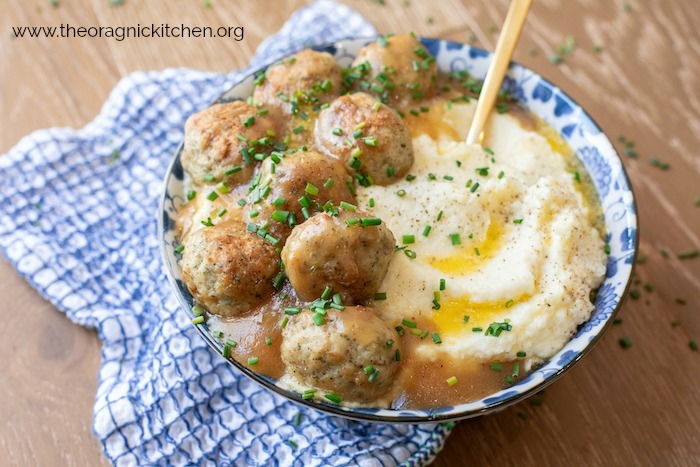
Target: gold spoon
[{"x": 497, "y": 69}]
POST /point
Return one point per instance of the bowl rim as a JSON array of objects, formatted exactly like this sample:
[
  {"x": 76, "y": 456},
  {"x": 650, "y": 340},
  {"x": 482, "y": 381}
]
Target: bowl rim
[{"x": 351, "y": 412}]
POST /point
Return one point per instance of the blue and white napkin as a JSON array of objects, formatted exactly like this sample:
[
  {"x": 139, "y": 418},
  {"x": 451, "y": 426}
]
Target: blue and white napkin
[{"x": 78, "y": 219}]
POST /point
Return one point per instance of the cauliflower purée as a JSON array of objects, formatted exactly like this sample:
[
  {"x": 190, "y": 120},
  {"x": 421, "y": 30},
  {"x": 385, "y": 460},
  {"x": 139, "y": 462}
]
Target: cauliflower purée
[{"x": 500, "y": 235}]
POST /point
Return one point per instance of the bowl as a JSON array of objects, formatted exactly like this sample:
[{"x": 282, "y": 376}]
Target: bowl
[{"x": 592, "y": 147}]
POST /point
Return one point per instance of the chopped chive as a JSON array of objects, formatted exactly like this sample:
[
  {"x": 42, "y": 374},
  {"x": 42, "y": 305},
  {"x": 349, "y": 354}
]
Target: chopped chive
[
  {"x": 410, "y": 253},
  {"x": 348, "y": 206},
  {"x": 197, "y": 311},
  {"x": 280, "y": 216},
  {"x": 408, "y": 323},
  {"x": 693, "y": 344},
  {"x": 291, "y": 311},
  {"x": 328, "y": 183},
  {"x": 509, "y": 303},
  {"x": 400, "y": 330},
  {"x": 369, "y": 369},
  {"x": 401, "y": 193},
  {"x": 380, "y": 296},
  {"x": 298, "y": 130},
  {"x": 501, "y": 174},
  {"x": 465, "y": 319},
  {"x": 474, "y": 187},
  {"x": 439, "y": 216},
  {"x": 371, "y": 202},
  {"x": 436, "y": 338},
  {"x": 516, "y": 369},
  {"x": 226, "y": 351},
  {"x": 252, "y": 361},
  {"x": 451, "y": 381},
  {"x": 208, "y": 222},
  {"x": 408, "y": 239},
  {"x": 232, "y": 171},
  {"x": 212, "y": 196},
  {"x": 477, "y": 329},
  {"x": 279, "y": 280},
  {"x": 325, "y": 295},
  {"x": 496, "y": 367},
  {"x": 198, "y": 320},
  {"x": 318, "y": 319},
  {"x": 268, "y": 341},
  {"x": 354, "y": 162},
  {"x": 370, "y": 221},
  {"x": 688, "y": 254},
  {"x": 279, "y": 201},
  {"x": 625, "y": 342},
  {"x": 249, "y": 121},
  {"x": 373, "y": 376},
  {"x": 333, "y": 397},
  {"x": 308, "y": 394},
  {"x": 208, "y": 178},
  {"x": 283, "y": 323},
  {"x": 456, "y": 239},
  {"x": 442, "y": 284},
  {"x": 337, "y": 131},
  {"x": 397, "y": 355},
  {"x": 415, "y": 331},
  {"x": 311, "y": 189},
  {"x": 426, "y": 230},
  {"x": 222, "y": 212},
  {"x": 521, "y": 354},
  {"x": 191, "y": 195},
  {"x": 357, "y": 133},
  {"x": 518, "y": 221},
  {"x": 180, "y": 249},
  {"x": 352, "y": 221},
  {"x": 476, "y": 251}
]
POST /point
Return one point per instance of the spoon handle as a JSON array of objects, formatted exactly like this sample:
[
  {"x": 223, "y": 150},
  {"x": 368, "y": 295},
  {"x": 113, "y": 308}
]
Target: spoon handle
[{"x": 497, "y": 69}]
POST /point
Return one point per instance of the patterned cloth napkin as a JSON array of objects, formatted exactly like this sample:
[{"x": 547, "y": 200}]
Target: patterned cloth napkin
[{"x": 78, "y": 220}]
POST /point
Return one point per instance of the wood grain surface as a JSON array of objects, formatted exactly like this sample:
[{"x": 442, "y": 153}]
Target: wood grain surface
[{"x": 634, "y": 406}]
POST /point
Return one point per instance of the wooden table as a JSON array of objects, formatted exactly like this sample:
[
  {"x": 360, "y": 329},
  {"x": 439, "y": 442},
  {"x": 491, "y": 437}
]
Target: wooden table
[{"x": 639, "y": 405}]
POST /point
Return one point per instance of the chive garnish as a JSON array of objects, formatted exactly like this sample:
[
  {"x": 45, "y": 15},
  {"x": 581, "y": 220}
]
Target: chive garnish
[
  {"x": 333, "y": 397},
  {"x": 397, "y": 355},
  {"x": 426, "y": 230},
  {"x": 456, "y": 238},
  {"x": 252, "y": 361},
  {"x": 369, "y": 369},
  {"x": 521, "y": 354},
  {"x": 496, "y": 367},
  {"x": 180, "y": 249},
  {"x": 380, "y": 296},
  {"x": 318, "y": 319},
  {"x": 212, "y": 196},
  {"x": 408, "y": 323},
  {"x": 311, "y": 189},
  {"x": 198, "y": 320},
  {"x": 370, "y": 221},
  {"x": 197, "y": 311},
  {"x": 408, "y": 239},
  {"x": 436, "y": 338},
  {"x": 451, "y": 381},
  {"x": 374, "y": 375}
]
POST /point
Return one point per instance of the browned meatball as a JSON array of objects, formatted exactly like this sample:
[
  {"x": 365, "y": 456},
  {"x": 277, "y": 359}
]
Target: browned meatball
[
  {"x": 305, "y": 174},
  {"x": 227, "y": 269},
  {"x": 401, "y": 71},
  {"x": 214, "y": 138},
  {"x": 333, "y": 356},
  {"x": 381, "y": 143},
  {"x": 308, "y": 77},
  {"x": 338, "y": 252}
]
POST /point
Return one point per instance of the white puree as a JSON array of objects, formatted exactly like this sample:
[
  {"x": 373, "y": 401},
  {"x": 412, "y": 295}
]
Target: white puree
[{"x": 537, "y": 274}]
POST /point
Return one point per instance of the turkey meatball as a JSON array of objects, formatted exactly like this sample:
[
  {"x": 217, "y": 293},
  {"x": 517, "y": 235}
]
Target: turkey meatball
[
  {"x": 333, "y": 356},
  {"x": 401, "y": 70},
  {"x": 339, "y": 252},
  {"x": 308, "y": 77},
  {"x": 381, "y": 143},
  {"x": 302, "y": 179},
  {"x": 214, "y": 138},
  {"x": 227, "y": 269}
]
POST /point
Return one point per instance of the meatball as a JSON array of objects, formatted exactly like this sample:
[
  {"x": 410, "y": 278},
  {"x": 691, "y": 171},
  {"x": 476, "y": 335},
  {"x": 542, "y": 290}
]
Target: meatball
[
  {"x": 381, "y": 143},
  {"x": 214, "y": 138},
  {"x": 339, "y": 252},
  {"x": 401, "y": 70},
  {"x": 227, "y": 269},
  {"x": 307, "y": 77},
  {"x": 333, "y": 356},
  {"x": 299, "y": 179}
]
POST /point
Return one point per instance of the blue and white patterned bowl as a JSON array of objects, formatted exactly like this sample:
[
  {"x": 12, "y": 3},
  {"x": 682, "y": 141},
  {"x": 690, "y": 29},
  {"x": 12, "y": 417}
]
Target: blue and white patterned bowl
[{"x": 592, "y": 147}]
